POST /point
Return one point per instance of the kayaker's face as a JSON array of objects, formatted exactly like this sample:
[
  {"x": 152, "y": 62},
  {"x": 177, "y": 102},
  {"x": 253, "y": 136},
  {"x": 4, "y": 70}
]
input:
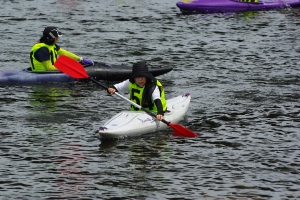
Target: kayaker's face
[
  {"x": 56, "y": 40},
  {"x": 140, "y": 81}
]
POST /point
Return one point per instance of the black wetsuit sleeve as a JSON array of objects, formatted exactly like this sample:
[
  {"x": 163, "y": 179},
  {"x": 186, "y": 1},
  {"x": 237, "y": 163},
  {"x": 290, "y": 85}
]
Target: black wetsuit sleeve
[{"x": 159, "y": 107}]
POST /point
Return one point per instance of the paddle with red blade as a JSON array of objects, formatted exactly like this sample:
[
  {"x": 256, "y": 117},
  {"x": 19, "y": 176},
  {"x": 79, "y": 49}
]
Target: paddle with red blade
[{"x": 76, "y": 70}]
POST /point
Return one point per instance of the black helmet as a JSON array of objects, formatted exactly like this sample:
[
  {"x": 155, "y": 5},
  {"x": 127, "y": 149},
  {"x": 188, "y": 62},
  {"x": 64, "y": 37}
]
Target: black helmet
[{"x": 51, "y": 32}]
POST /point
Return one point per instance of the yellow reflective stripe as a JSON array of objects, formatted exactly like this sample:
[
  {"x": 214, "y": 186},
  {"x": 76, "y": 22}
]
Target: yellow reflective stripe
[{"x": 249, "y": 1}]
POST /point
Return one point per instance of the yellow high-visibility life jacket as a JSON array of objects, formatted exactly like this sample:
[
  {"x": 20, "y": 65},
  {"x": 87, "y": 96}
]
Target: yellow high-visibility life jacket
[
  {"x": 136, "y": 95},
  {"x": 37, "y": 65}
]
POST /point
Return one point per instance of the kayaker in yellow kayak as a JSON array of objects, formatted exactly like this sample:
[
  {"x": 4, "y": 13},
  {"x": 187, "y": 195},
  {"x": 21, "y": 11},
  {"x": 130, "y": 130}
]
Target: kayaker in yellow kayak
[
  {"x": 144, "y": 89},
  {"x": 44, "y": 53}
]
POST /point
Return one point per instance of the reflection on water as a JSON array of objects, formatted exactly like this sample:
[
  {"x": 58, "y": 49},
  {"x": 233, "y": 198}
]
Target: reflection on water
[
  {"x": 69, "y": 5},
  {"x": 71, "y": 179},
  {"x": 46, "y": 99},
  {"x": 49, "y": 104}
]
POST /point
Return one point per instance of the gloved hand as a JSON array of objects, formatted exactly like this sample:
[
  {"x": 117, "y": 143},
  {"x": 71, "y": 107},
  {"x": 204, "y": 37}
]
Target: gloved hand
[{"x": 86, "y": 61}]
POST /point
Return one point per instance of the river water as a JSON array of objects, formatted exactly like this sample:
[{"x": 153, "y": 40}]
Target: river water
[{"x": 241, "y": 69}]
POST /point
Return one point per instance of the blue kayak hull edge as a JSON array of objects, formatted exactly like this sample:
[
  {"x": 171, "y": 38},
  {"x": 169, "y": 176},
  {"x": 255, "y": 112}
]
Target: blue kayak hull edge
[{"x": 99, "y": 71}]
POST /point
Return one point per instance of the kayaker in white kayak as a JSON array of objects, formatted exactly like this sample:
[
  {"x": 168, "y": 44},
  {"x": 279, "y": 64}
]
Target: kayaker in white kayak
[
  {"x": 144, "y": 89},
  {"x": 44, "y": 53}
]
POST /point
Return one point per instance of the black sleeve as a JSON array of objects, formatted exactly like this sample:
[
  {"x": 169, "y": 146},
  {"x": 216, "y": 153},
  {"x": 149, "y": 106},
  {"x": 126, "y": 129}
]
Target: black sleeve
[{"x": 159, "y": 107}]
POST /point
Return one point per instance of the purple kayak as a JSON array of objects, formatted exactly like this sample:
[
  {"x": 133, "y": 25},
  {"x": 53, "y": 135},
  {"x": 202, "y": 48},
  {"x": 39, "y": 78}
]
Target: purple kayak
[{"x": 215, "y": 6}]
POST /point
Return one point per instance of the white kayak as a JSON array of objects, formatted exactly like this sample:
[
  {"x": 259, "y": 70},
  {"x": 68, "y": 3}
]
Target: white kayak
[{"x": 135, "y": 123}]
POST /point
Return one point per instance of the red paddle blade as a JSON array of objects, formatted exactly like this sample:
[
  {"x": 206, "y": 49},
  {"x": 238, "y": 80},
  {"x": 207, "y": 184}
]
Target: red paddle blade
[
  {"x": 70, "y": 67},
  {"x": 181, "y": 131}
]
